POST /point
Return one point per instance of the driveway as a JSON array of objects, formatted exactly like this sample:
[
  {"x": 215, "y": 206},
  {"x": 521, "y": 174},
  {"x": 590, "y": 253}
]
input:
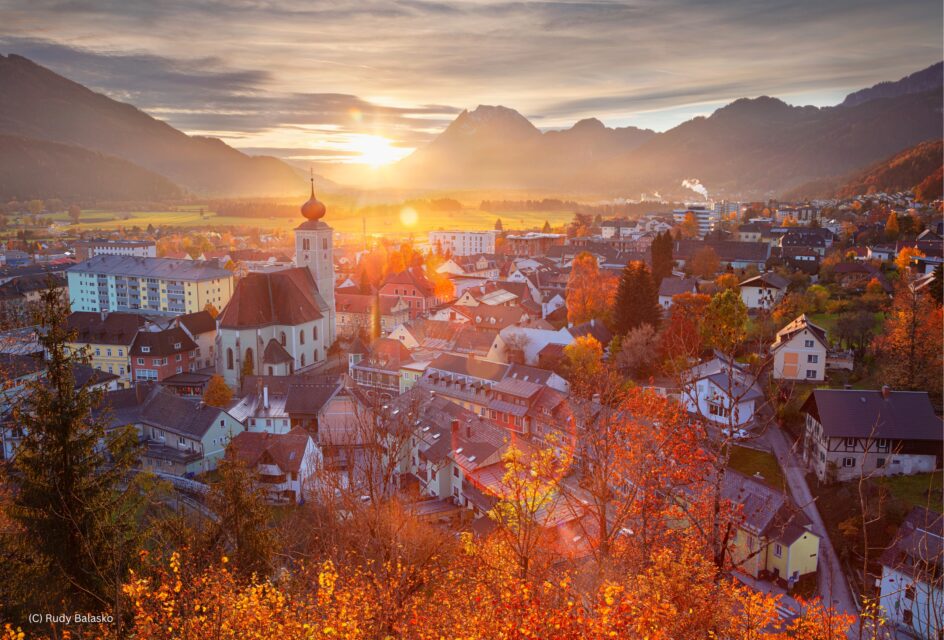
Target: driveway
[{"x": 833, "y": 586}]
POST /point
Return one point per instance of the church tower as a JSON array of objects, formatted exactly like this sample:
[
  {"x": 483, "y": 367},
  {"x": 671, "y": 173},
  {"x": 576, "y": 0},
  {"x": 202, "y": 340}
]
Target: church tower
[{"x": 314, "y": 250}]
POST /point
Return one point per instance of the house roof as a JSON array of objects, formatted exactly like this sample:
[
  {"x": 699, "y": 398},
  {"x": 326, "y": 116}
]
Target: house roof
[
  {"x": 115, "y": 328},
  {"x": 275, "y": 353},
  {"x": 727, "y": 250},
  {"x": 286, "y": 450},
  {"x": 673, "y": 286},
  {"x": 155, "y": 406},
  {"x": 151, "y": 267},
  {"x": 19, "y": 287},
  {"x": 289, "y": 297},
  {"x": 162, "y": 343},
  {"x": 767, "y": 511},
  {"x": 468, "y": 366},
  {"x": 918, "y": 547},
  {"x": 768, "y": 279},
  {"x": 413, "y": 276},
  {"x": 800, "y": 324},
  {"x": 592, "y": 328},
  {"x": 198, "y": 323},
  {"x": 902, "y": 415}
]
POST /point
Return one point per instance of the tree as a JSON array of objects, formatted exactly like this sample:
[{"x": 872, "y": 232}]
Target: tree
[
  {"x": 211, "y": 309},
  {"x": 546, "y": 228},
  {"x": 77, "y": 499},
  {"x": 689, "y": 226},
  {"x": 911, "y": 347},
  {"x": 705, "y": 263},
  {"x": 637, "y": 299},
  {"x": 498, "y": 225},
  {"x": 906, "y": 256},
  {"x": 584, "y": 358},
  {"x": 587, "y": 295},
  {"x": 682, "y": 336},
  {"x": 639, "y": 351},
  {"x": 891, "y": 226},
  {"x": 661, "y": 252},
  {"x": 725, "y": 322},
  {"x": 217, "y": 393},
  {"x": 726, "y": 281},
  {"x": 365, "y": 283},
  {"x": 36, "y": 207},
  {"x": 75, "y": 213},
  {"x": 935, "y": 288}
]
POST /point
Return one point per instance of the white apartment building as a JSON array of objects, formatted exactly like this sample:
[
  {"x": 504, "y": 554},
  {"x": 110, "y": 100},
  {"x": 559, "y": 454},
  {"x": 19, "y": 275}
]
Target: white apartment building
[
  {"x": 706, "y": 218},
  {"x": 86, "y": 249},
  {"x": 464, "y": 243}
]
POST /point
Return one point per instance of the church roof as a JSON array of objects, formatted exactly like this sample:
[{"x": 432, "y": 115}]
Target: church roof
[{"x": 289, "y": 297}]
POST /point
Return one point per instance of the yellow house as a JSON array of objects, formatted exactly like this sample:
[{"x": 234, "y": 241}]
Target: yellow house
[
  {"x": 108, "y": 338},
  {"x": 775, "y": 537}
]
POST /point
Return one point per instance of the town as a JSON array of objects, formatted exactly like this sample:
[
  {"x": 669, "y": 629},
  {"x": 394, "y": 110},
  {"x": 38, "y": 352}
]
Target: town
[{"x": 789, "y": 352}]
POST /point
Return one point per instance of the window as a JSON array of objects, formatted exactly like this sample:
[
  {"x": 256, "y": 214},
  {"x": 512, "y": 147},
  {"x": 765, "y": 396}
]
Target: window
[
  {"x": 808, "y": 344},
  {"x": 145, "y": 349},
  {"x": 907, "y": 617},
  {"x": 848, "y": 462},
  {"x": 812, "y": 359},
  {"x": 108, "y": 352},
  {"x": 880, "y": 462},
  {"x": 910, "y": 592},
  {"x": 282, "y": 338},
  {"x": 455, "y": 472},
  {"x": 850, "y": 443},
  {"x": 314, "y": 333},
  {"x": 141, "y": 361},
  {"x": 882, "y": 444},
  {"x": 778, "y": 550},
  {"x": 179, "y": 357},
  {"x": 176, "y": 345},
  {"x": 302, "y": 359},
  {"x": 811, "y": 373},
  {"x": 301, "y": 337},
  {"x": 229, "y": 358},
  {"x": 98, "y": 351}
]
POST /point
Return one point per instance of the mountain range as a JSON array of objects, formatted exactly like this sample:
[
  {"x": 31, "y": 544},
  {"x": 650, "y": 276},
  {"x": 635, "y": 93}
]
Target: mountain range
[
  {"x": 750, "y": 148},
  {"x": 62, "y": 139},
  {"x": 40, "y": 107}
]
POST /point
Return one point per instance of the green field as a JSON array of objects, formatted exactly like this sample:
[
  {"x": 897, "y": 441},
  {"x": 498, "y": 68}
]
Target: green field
[
  {"x": 828, "y": 322},
  {"x": 750, "y": 461}
]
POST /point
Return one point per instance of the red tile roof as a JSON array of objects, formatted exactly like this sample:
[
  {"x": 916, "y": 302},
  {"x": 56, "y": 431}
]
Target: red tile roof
[{"x": 286, "y": 297}]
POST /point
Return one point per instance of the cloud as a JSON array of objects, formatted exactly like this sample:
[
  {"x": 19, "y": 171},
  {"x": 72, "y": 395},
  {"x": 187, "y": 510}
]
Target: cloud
[{"x": 267, "y": 71}]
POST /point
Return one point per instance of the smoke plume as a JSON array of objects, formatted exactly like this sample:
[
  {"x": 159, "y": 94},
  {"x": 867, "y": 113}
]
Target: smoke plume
[{"x": 695, "y": 185}]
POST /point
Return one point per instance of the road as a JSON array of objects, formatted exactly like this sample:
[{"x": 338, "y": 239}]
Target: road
[{"x": 833, "y": 586}]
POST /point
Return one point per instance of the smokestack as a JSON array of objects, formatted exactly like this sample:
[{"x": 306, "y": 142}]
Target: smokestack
[
  {"x": 455, "y": 428},
  {"x": 265, "y": 396},
  {"x": 886, "y": 391}
]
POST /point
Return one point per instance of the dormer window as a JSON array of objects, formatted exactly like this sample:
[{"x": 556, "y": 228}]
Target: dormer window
[
  {"x": 177, "y": 345},
  {"x": 145, "y": 349}
]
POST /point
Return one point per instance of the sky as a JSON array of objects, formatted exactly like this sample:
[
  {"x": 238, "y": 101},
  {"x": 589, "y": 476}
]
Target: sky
[{"x": 369, "y": 81}]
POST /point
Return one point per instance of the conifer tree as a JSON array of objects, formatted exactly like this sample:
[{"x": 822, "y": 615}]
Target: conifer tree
[
  {"x": 637, "y": 299},
  {"x": 76, "y": 500},
  {"x": 661, "y": 251}
]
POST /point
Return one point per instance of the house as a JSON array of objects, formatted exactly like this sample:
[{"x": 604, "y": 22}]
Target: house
[
  {"x": 529, "y": 342},
  {"x": 181, "y": 436},
  {"x": 673, "y": 286},
  {"x": 20, "y": 296},
  {"x": 775, "y": 538},
  {"x": 356, "y": 310},
  {"x": 882, "y": 432},
  {"x": 201, "y": 327},
  {"x": 594, "y": 329},
  {"x": 157, "y": 354},
  {"x": 855, "y": 276},
  {"x": 276, "y": 323},
  {"x": 107, "y": 338},
  {"x": 800, "y": 351},
  {"x": 737, "y": 255},
  {"x": 912, "y": 594},
  {"x": 378, "y": 373},
  {"x": 478, "y": 265},
  {"x": 722, "y": 391},
  {"x": 283, "y": 465},
  {"x": 413, "y": 287},
  {"x": 763, "y": 291}
]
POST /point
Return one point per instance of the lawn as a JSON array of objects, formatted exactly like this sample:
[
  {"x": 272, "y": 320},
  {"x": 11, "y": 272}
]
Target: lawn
[
  {"x": 750, "y": 461},
  {"x": 922, "y": 490},
  {"x": 828, "y": 322}
]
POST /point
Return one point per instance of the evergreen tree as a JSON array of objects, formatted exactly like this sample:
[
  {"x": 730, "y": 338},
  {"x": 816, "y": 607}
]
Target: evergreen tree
[
  {"x": 547, "y": 227},
  {"x": 498, "y": 225},
  {"x": 661, "y": 251},
  {"x": 637, "y": 299},
  {"x": 76, "y": 502}
]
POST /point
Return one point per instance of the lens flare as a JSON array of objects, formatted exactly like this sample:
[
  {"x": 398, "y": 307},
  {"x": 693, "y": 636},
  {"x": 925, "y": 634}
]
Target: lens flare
[{"x": 408, "y": 216}]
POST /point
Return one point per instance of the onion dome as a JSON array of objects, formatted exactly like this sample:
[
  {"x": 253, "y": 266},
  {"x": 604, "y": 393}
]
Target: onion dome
[{"x": 314, "y": 209}]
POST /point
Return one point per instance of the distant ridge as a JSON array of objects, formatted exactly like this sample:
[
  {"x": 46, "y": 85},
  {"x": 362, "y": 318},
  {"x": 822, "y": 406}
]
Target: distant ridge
[
  {"x": 40, "y": 104},
  {"x": 918, "y": 82}
]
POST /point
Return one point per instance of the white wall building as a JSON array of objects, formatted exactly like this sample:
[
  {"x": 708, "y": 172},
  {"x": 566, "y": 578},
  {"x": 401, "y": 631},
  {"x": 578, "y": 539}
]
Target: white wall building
[{"x": 464, "y": 243}]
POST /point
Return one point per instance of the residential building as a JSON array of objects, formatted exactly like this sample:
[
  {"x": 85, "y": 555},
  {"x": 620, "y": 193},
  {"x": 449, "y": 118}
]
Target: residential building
[
  {"x": 722, "y": 391},
  {"x": 157, "y": 354},
  {"x": 774, "y": 539},
  {"x": 355, "y": 312},
  {"x": 85, "y": 249},
  {"x": 181, "y": 436},
  {"x": 412, "y": 286},
  {"x": 800, "y": 351},
  {"x": 672, "y": 286},
  {"x": 378, "y": 373},
  {"x": 278, "y": 404},
  {"x": 763, "y": 291},
  {"x": 283, "y": 465},
  {"x": 737, "y": 255},
  {"x": 20, "y": 296},
  {"x": 532, "y": 243},
  {"x": 912, "y": 592},
  {"x": 464, "y": 243},
  {"x": 477, "y": 265},
  {"x": 147, "y": 285},
  {"x": 706, "y": 218},
  {"x": 850, "y": 433},
  {"x": 201, "y": 327},
  {"x": 107, "y": 339}
]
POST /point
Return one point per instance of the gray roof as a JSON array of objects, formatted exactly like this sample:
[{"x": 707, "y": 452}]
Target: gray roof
[
  {"x": 918, "y": 547},
  {"x": 768, "y": 279},
  {"x": 155, "y": 406},
  {"x": 766, "y": 510},
  {"x": 167, "y": 268},
  {"x": 848, "y": 413},
  {"x": 674, "y": 286}
]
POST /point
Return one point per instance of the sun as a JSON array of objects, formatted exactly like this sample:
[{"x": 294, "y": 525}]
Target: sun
[{"x": 376, "y": 150}]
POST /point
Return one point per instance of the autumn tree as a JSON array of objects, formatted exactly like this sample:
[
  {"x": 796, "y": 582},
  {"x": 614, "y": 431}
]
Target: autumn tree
[
  {"x": 682, "y": 335},
  {"x": 705, "y": 263},
  {"x": 724, "y": 324},
  {"x": 689, "y": 226},
  {"x": 910, "y": 346},
  {"x": 76, "y": 498},
  {"x": 637, "y": 299},
  {"x": 217, "y": 392},
  {"x": 906, "y": 256},
  {"x": 639, "y": 351},
  {"x": 211, "y": 309},
  {"x": 75, "y": 213},
  {"x": 727, "y": 281},
  {"x": 891, "y": 226},
  {"x": 584, "y": 358},
  {"x": 586, "y": 295}
]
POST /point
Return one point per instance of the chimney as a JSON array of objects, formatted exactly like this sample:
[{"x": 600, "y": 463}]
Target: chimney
[
  {"x": 468, "y": 430},
  {"x": 886, "y": 391},
  {"x": 455, "y": 428},
  {"x": 265, "y": 396},
  {"x": 596, "y": 397},
  {"x": 593, "y": 322}
]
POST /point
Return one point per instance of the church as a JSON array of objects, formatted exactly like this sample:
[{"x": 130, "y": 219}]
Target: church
[{"x": 282, "y": 322}]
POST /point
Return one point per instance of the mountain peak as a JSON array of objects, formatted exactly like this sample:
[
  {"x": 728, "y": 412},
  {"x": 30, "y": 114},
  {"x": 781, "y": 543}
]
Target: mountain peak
[
  {"x": 588, "y": 124},
  {"x": 918, "y": 82},
  {"x": 491, "y": 120}
]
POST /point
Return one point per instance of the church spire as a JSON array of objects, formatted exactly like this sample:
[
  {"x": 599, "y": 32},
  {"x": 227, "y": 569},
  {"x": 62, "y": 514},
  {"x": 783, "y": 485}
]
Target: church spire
[{"x": 313, "y": 209}]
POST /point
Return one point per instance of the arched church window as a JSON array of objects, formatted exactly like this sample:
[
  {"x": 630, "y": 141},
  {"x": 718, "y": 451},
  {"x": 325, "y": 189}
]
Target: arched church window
[
  {"x": 229, "y": 358},
  {"x": 282, "y": 338},
  {"x": 301, "y": 337}
]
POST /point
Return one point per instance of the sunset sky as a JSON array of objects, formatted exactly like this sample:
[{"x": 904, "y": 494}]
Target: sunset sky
[{"x": 369, "y": 81}]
